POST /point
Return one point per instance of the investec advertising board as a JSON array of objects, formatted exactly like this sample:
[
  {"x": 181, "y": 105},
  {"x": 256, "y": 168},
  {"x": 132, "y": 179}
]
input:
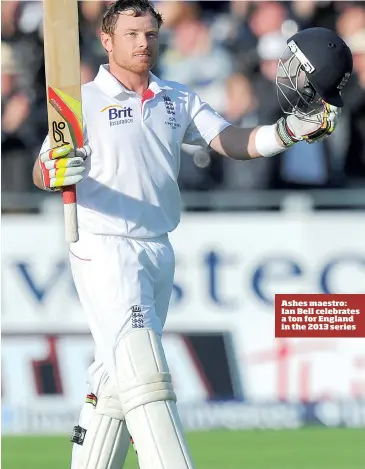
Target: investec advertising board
[{"x": 220, "y": 330}]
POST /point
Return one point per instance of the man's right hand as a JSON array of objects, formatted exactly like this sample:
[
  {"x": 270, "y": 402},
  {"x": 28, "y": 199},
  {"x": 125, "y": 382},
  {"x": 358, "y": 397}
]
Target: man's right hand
[{"x": 62, "y": 166}]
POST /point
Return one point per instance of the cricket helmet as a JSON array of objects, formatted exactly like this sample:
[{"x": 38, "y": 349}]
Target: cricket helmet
[{"x": 315, "y": 67}]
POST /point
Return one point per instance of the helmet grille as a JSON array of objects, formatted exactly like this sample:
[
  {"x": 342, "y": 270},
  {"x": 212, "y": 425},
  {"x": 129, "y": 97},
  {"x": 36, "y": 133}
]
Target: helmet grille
[{"x": 296, "y": 94}]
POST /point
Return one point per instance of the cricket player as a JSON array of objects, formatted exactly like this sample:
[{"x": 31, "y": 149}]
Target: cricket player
[{"x": 128, "y": 202}]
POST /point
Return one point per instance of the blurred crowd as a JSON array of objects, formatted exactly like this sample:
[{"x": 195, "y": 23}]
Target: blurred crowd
[{"x": 227, "y": 52}]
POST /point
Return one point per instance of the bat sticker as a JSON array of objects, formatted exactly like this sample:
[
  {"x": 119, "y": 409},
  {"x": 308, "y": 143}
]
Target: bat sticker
[
  {"x": 58, "y": 135},
  {"x": 70, "y": 110}
]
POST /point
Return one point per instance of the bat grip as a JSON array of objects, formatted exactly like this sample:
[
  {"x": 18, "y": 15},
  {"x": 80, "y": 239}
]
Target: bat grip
[{"x": 70, "y": 214}]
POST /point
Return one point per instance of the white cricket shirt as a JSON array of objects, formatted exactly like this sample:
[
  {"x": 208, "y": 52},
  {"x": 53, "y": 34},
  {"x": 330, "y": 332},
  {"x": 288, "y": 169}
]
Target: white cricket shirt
[{"x": 130, "y": 183}]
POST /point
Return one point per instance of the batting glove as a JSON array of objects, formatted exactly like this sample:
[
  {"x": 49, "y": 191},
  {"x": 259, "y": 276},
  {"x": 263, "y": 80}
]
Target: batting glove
[
  {"x": 296, "y": 128},
  {"x": 62, "y": 166}
]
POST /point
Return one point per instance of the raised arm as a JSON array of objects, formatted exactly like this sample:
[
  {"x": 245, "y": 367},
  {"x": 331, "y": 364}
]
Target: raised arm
[{"x": 244, "y": 144}]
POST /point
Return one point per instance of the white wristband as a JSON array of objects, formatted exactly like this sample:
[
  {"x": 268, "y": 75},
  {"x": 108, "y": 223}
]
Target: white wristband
[{"x": 266, "y": 141}]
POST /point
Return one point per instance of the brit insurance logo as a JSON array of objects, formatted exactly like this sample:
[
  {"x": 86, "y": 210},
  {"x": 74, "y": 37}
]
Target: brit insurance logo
[{"x": 118, "y": 115}]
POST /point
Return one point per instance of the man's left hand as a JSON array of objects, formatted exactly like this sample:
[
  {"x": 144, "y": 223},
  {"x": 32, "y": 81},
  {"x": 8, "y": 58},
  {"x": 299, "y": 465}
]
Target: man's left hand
[{"x": 296, "y": 128}]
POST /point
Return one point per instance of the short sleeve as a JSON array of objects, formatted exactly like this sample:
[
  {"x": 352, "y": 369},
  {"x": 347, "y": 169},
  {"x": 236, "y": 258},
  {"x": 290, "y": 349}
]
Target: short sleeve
[{"x": 205, "y": 123}]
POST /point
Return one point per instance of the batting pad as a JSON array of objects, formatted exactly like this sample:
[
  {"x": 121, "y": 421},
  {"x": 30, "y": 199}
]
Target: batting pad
[
  {"x": 107, "y": 438},
  {"x": 149, "y": 402}
]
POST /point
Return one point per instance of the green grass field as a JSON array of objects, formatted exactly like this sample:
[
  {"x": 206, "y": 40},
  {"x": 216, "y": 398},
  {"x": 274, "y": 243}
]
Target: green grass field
[{"x": 309, "y": 448}]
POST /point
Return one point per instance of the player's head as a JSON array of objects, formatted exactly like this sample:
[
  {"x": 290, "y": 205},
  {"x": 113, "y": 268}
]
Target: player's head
[
  {"x": 130, "y": 30},
  {"x": 315, "y": 66}
]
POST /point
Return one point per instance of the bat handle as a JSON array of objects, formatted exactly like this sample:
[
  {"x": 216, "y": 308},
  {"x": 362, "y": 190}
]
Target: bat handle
[{"x": 70, "y": 213}]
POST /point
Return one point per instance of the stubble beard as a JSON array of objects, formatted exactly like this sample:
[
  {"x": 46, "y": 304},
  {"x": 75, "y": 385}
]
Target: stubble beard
[{"x": 136, "y": 67}]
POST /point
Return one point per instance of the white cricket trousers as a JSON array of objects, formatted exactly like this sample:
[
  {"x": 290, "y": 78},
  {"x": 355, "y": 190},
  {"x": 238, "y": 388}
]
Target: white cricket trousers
[{"x": 123, "y": 284}]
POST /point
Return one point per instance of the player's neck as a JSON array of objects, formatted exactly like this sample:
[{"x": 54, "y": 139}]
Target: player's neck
[{"x": 137, "y": 82}]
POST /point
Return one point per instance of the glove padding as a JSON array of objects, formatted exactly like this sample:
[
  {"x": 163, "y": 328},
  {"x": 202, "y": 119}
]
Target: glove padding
[
  {"x": 296, "y": 128},
  {"x": 62, "y": 166}
]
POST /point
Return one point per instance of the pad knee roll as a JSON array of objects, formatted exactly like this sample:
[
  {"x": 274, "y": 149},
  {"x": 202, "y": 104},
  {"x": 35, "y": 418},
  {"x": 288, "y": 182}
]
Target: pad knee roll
[
  {"x": 149, "y": 402},
  {"x": 143, "y": 372}
]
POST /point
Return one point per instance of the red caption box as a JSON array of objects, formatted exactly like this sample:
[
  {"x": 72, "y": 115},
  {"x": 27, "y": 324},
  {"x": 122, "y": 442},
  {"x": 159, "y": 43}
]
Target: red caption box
[{"x": 320, "y": 315}]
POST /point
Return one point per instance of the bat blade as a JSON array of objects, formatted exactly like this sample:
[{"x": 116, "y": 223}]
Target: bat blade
[{"x": 63, "y": 82}]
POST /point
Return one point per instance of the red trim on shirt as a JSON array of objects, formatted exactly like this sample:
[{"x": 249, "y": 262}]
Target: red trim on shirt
[{"x": 148, "y": 94}]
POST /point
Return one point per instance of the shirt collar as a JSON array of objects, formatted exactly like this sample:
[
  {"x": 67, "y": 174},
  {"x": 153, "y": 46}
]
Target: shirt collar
[
  {"x": 113, "y": 88},
  {"x": 157, "y": 85}
]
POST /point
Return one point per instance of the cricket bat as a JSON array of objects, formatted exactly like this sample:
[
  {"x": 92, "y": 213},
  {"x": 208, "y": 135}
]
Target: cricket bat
[{"x": 63, "y": 83}]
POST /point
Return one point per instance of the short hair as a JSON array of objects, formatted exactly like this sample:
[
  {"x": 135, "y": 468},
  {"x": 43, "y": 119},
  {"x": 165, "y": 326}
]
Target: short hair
[{"x": 139, "y": 7}]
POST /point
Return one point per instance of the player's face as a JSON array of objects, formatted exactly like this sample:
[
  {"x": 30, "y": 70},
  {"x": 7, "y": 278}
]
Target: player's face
[{"x": 134, "y": 45}]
